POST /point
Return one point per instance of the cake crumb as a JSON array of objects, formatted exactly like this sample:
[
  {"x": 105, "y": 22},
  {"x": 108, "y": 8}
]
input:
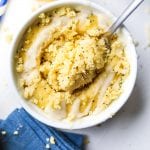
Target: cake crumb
[
  {"x": 52, "y": 140},
  {"x": 9, "y": 38},
  {"x": 47, "y": 146},
  {"x": 42, "y": 15},
  {"x": 7, "y": 34},
  {"x": 35, "y": 101},
  {"x": 16, "y": 133},
  {"x": 47, "y": 139},
  {"x": 3, "y": 132}
]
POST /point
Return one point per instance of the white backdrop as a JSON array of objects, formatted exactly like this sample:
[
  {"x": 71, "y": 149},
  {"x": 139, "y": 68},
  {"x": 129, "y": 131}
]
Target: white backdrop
[{"x": 130, "y": 128}]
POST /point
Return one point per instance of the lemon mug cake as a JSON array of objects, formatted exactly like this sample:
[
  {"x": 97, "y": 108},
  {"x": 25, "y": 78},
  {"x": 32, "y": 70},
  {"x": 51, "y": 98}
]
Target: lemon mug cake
[{"x": 67, "y": 66}]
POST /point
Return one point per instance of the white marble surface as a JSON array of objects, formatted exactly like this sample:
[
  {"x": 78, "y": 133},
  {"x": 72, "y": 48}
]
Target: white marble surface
[{"x": 130, "y": 128}]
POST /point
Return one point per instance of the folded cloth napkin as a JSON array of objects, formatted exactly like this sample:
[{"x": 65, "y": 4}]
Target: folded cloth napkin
[{"x": 22, "y": 132}]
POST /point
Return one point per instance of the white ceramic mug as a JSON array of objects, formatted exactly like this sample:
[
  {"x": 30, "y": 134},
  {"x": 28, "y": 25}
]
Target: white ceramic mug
[{"x": 92, "y": 119}]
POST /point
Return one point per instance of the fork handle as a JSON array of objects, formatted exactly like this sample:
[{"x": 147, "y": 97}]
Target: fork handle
[{"x": 125, "y": 14}]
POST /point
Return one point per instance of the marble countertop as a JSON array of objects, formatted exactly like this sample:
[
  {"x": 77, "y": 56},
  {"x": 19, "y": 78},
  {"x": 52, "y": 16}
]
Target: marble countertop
[{"x": 129, "y": 129}]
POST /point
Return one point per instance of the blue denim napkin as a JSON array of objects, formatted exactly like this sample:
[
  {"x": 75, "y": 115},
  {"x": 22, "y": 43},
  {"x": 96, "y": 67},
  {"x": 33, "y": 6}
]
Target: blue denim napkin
[{"x": 22, "y": 132}]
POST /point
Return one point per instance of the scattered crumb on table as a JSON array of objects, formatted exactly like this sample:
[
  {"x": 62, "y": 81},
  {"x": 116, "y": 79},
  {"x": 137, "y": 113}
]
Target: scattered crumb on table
[
  {"x": 3, "y": 132},
  {"x": 52, "y": 140},
  {"x": 9, "y": 38},
  {"x": 7, "y": 34},
  {"x": 16, "y": 132},
  {"x": 47, "y": 139},
  {"x": 47, "y": 146}
]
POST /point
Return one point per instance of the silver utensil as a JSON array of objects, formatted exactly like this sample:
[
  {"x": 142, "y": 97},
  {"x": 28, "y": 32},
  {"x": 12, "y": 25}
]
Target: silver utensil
[{"x": 125, "y": 14}]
